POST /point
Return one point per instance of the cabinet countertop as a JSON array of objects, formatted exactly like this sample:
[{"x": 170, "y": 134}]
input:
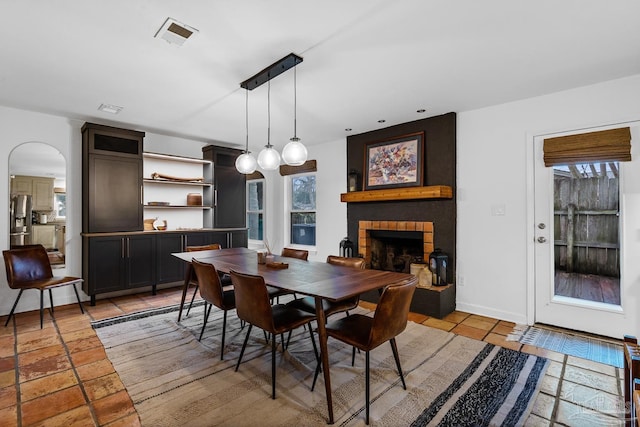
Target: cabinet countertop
[{"x": 141, "y": 232}]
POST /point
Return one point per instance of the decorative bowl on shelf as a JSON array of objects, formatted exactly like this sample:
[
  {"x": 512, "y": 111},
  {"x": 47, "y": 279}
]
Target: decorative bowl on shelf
[
  {"x": 158, "y": 203},
  {"x": 160, "y": 224}
]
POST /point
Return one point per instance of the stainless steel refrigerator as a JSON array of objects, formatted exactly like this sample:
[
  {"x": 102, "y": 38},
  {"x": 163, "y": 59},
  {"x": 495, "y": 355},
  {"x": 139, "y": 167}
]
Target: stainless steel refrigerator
[{"x": 21, "y": 220}]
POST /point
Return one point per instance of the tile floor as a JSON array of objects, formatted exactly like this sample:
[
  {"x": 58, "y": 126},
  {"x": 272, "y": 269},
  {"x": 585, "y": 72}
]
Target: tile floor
[{"x": 60, "y": 376}]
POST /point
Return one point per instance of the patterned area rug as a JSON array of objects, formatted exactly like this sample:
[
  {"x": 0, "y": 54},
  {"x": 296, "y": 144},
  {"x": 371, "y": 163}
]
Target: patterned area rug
[
  {"x": 575, "y": 345},
  {"x": 174, "y": 380}
]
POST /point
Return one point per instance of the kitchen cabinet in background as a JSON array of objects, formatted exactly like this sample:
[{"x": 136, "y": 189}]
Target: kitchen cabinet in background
[
  {"x": 44, "y": 235},
  {"x": 40, "y": 189}
]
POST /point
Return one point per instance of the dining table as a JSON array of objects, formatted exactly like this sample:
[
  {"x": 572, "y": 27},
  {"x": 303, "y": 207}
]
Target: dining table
[{"x": 320, "y": 280}]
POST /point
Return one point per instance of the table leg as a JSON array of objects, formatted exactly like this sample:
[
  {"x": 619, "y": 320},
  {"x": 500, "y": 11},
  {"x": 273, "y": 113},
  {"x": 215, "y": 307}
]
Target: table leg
[
  {"x": 185, "y": 287},
  {"x": 322, "y": 336}
]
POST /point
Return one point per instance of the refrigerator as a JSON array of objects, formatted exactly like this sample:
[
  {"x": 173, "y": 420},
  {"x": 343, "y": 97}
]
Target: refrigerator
[{"x": 20, "y": 220}]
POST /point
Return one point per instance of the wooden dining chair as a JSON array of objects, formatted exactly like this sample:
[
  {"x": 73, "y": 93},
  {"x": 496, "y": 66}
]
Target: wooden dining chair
[
  {"x": 212, "y": 293},
  {"x": 28, "y": 267},
  {"x": 366, "y": 333},
  {"x": 308, "y": 304},
  {"x": 253, "y": 306},
  {"x": 295, "y": 253},
  {"x": 275, "y": 293},
  {"x": 193, "y": 280}
]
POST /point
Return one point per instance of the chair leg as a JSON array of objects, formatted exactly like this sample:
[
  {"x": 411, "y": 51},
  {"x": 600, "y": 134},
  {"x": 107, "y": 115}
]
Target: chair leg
[
  {"x": 244, "y": 346},
  {"x": 41, "y": 307},
  {"x": 394, "y": 348},
  {"x": 224, "y": 328},
  {"x": 51, "y": 301},
  {"x": 273, "y": 366},
  {"x": 193, "y": 297},
  {"x": 207, "y": 311},
  {"x": 353, "y": 356},
  {"x": 14, "y": 307},
  {"x": 78, "y": 298},
  {"x": 366, "y": 388}
]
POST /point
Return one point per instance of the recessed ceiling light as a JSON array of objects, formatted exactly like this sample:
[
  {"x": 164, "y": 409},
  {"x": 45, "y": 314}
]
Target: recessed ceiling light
[
  {"x": 108, "y": 108},
  {"x": 348, "y": 129},
  {"x": 175, "y": 32},
  {"x": 381, "y": 121},
  {"x": 422, "y": 110}
]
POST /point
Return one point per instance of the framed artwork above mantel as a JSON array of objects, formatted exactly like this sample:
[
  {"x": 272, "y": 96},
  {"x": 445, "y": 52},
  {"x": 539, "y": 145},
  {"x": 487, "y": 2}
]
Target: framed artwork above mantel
[{"x": 394, "y": 163}]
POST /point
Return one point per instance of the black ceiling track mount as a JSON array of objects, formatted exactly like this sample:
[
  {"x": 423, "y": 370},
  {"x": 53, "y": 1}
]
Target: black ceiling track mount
[{"x": 271, "y": 71}]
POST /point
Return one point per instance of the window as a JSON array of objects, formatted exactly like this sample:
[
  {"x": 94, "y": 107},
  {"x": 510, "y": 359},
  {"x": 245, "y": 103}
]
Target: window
[
  {"x": 303, "y": 210},
  {"x": 255, "y": 209},
  {"x": 60, "y": 205}
]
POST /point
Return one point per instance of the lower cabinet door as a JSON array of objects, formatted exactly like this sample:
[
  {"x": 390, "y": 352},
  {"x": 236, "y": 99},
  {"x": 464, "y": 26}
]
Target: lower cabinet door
[
  {"x": 239, "y": 239},
  {"x": 106, "y": 266},
  {"x": 141, "y": 260},
  {"x": 170, "y": 268}
]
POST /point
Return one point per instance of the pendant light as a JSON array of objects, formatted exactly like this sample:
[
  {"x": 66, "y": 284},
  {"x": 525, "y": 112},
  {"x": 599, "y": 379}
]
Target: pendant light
[
  {"x": 269, "y": 159},
  {"x": 294, "y": 153},
  {"x": 246, "y": 163}
]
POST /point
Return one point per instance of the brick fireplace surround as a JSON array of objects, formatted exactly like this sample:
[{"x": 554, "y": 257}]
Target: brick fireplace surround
[{"x": 364, "y": 235}]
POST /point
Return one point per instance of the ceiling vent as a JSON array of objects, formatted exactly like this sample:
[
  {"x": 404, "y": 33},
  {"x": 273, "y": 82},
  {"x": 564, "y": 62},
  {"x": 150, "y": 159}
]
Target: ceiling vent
[{"x": 175, "y": 32}]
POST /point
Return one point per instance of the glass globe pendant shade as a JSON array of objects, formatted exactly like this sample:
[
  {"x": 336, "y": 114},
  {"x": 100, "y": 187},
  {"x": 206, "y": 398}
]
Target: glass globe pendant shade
[
  {"x": 246, "y": 163},
  {"x": 269, "y": 159},
  {"x": 294, "y": 153}
]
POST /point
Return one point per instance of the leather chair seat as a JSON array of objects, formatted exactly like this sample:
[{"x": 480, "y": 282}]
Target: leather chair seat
[{"x": 308, "y": 304}]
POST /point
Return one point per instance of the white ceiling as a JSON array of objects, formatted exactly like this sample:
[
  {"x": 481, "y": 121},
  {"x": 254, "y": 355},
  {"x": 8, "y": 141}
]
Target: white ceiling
[{"x": 364, "y": 60}]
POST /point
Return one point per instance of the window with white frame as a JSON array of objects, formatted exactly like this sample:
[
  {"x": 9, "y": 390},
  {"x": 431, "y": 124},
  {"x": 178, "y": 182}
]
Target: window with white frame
[
  {"x": 255, "y": 209},
  {"x": 302, "y": 210}
]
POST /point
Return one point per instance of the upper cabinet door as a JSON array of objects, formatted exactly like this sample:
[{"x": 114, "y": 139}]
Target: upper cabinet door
[
  {"x": 42, "y": 194},
  {"x": 112, "y": 179},
  {"x": 229, "y": 202}
]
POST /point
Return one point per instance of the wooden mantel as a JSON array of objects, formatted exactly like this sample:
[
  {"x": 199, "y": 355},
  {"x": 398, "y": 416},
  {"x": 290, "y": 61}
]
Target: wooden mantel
[{"x": 405, "y": 193}]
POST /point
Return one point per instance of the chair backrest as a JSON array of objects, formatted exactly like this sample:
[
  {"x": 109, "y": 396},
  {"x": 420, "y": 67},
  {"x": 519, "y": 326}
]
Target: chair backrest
[
  {"x": 211, "y": 247},
  {"x": 26, "y": 264},
  {"x": 346, "y": 261},
  {"x": 295, "y": 253},
  {"x": 209, "y": 282},
  {"x": 392, "y": 312},
  {"x": 252, "y": 300}
]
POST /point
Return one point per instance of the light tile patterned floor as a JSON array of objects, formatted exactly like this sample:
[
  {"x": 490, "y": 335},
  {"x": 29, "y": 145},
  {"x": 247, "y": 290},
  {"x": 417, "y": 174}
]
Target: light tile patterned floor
[{"x": 60, "y": 376}]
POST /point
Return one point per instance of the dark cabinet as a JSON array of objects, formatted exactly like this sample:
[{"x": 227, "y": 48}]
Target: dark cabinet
[
  {"x": 112, "y": 179},
  {"x": 170, "y": 268},
  {"x": 229, "y": 187},
  {"x": 114, "y": 263}
]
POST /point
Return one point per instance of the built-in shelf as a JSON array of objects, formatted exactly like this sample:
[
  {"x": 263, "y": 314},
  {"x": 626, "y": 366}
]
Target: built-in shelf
[
  {"x": 176, "y": 158},
  {"x": 192, "y": 183},
  {"x": 405, "y": 193},
  {"x": 175, "y": 207}
]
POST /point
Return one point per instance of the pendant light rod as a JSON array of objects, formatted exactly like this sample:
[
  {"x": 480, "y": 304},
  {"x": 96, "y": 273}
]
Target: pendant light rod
[
  {"x": 295, "y": 106},
  {"x": 246, "y": 120},
  {"x": 271, "y": 71},
  {"x": 269, "y": 114}
]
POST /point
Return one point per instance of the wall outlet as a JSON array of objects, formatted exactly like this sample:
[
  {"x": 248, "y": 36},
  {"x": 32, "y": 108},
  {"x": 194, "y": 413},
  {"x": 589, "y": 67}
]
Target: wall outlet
[{"x": 460, "y": 280}]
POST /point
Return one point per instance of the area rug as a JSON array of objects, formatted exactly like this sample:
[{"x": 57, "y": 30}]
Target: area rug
[
  {"x": 174, "y": 380},
  {"x": 577, "y": 345}
]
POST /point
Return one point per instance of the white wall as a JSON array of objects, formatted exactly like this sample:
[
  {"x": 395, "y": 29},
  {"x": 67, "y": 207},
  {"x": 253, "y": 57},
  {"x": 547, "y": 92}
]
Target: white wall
[
  {"x": 331, "y": 214},
  {"x": 17, "y": 127},
  {"x": 494, "y": 252}
]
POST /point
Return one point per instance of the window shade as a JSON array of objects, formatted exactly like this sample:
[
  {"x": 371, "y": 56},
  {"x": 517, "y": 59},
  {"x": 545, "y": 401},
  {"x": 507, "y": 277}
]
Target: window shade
[
  {"x": 308, "y": 166},
  {"x": 606, "y": 145}
]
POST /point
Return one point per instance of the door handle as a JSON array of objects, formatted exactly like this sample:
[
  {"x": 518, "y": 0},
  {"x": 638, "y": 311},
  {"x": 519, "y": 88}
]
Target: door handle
[{"x": 541, "y": 239}]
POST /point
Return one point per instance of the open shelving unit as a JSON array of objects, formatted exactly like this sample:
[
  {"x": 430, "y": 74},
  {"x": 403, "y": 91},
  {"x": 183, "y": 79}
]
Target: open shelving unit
[{"x": 174, "y": 192}]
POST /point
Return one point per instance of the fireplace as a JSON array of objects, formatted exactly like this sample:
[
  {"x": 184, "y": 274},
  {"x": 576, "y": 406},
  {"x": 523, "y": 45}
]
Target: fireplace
[{"x": 394, "y": 245}]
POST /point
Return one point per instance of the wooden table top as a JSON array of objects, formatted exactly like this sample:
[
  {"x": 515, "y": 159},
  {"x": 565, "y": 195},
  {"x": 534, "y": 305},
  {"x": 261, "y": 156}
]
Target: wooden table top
[{"x": 318, "y": 279}]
